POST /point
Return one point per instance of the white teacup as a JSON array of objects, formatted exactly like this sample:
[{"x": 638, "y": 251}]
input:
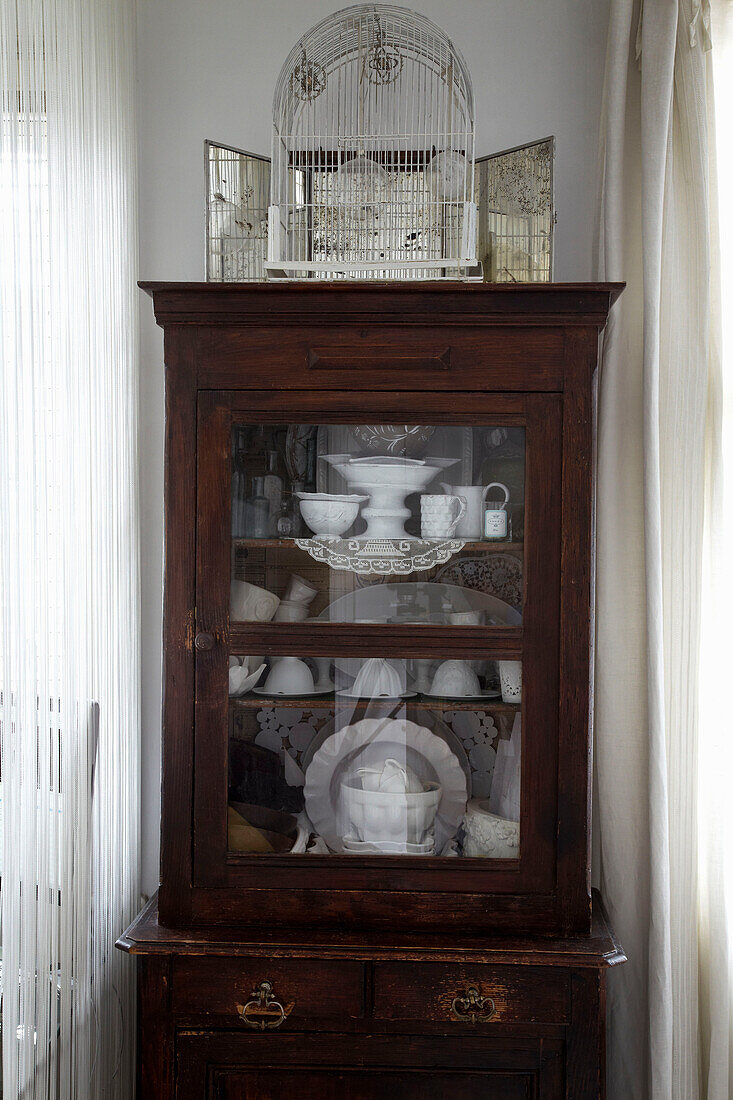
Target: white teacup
[
  {"x": 440, "y": 515},
  {"x": 299, "y": 590},
  {"x": 454, "y": 679},
  {"x": 291, "y": 612},
  {"x": 249, "y": 603}
]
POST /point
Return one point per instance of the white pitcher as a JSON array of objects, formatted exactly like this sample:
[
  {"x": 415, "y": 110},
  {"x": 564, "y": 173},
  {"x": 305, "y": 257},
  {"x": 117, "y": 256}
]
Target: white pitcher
[{"x": 469, "y": 526}]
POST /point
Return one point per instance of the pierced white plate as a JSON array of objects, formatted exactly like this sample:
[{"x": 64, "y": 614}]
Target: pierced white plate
[{"x": 369, "y": 742}]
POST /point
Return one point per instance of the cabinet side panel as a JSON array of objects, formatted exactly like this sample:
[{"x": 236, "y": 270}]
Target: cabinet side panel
[{"x": 178, "y": 624}]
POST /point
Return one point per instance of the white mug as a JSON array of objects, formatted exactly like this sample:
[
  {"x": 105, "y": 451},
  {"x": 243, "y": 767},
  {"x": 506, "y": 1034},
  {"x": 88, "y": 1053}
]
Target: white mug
[
  {"x": 440, "y": 515},
  {"x": 299, "y": 590}
]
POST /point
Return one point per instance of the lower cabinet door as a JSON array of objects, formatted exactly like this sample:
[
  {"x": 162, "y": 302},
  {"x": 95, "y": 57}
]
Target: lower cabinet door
[{"x": 232, "y": 1066}]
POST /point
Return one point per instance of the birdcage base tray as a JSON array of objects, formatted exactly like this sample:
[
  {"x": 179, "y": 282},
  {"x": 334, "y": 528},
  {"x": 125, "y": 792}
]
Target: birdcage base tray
[{"x": 401, "y": 270}]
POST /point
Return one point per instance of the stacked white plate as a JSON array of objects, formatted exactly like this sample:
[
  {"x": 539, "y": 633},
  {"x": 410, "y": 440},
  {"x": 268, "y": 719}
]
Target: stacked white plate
[{"x": 388, "y": 847}]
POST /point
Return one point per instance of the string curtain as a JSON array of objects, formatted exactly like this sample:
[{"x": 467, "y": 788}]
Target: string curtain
[{"x": 69, "y": 577}]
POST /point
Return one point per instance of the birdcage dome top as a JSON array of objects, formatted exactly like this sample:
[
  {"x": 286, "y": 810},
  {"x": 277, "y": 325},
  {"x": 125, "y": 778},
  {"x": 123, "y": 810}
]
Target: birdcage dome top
[
  {"x": 380, "y": 45},
  {"x": 372, "y": 151}
]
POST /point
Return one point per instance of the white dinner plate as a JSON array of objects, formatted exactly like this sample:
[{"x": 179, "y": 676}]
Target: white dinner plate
[
  {"x": 462, "y": 698},
  {"x": 378, "y": 698},
  {"x": 292, "y": 694}
]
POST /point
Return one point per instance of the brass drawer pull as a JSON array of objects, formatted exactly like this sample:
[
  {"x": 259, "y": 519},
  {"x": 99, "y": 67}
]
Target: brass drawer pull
[
  {"x": 472, "y": 1008},
  {"x": 263, "y": 1012}
]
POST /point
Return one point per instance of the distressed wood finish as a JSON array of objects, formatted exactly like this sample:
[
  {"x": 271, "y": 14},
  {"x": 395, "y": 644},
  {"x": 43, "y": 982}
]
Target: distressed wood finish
[
  {"x": 372, "y": 1014},
  {"x": 372, "y": 953}
]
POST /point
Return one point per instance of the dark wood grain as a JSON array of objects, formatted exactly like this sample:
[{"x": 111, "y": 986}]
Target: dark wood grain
[
  {"x": 600, "y": 948},
  {"x": 586, "y": 1039},
  {"x": 378, "y": 303},
  {"x": 179, "y": 600},
  {"x": 316, "y": 988},
  {"x": 321, "y": 1067},
  {"x": 155, "y": 1053},
  {"x": 574, "y": 744},
  {"x": 378, "y": 357},
  {"x": 425, "y": 991},
  {"x": 375, "y": 640},
  {"x": 212, "y": 616},
  {"x": 328, "y": 702}
]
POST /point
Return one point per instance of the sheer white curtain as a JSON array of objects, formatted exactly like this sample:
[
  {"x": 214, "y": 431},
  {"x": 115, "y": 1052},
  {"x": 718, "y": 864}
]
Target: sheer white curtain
[
  {"x": 69, "y": 626},
  {"x": 660, "y": 408}
]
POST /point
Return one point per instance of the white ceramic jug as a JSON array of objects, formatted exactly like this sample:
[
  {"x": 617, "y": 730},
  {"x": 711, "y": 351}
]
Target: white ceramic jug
[{"x": 469, "y": 526}]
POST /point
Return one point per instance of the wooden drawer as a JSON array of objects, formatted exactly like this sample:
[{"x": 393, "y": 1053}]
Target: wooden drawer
[
  {"x": 427, "y": 991},
  {"x": 315, "y": 989}
]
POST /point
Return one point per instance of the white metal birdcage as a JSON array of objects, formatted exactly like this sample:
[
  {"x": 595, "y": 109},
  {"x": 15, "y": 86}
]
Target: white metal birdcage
[{"x": 374, "y": 109}]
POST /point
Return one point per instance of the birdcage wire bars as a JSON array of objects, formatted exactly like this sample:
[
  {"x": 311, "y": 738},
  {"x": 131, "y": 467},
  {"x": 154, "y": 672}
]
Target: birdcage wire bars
[{"x": 374, "y": 109}]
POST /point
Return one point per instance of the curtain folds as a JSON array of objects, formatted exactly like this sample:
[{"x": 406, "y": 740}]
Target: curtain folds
[
  {"x": 658, "y": 392},
  {"x": 69, "y": 580}
]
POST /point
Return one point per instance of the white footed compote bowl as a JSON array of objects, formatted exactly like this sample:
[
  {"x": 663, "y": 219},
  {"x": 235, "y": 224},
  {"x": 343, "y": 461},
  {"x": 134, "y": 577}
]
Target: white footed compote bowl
[{"x": 388, "y": 482}]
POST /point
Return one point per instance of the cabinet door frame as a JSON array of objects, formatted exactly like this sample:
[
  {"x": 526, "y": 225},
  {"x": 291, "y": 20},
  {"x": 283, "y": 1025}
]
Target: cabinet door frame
[{"x": 537, "y": 641}]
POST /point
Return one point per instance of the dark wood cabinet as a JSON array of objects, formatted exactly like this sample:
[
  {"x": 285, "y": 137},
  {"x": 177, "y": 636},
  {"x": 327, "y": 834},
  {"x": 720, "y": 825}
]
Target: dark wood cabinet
[{"x": 419, "y": 597}]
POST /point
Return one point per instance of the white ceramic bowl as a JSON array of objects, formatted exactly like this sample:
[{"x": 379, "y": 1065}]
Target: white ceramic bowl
[
  {"x": 488, "y": 835},
  {"x": 455, "y": 678},
  {"x": 289, "y": 676},
  {"x": 329, "y": 514},
  {"x": 385, "y": 816}
]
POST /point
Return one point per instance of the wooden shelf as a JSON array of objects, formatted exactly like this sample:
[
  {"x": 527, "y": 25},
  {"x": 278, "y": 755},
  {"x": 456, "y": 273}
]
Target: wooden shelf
[
  {"x": 289, "y": 544},
  {"x": 327, "y": 702}
]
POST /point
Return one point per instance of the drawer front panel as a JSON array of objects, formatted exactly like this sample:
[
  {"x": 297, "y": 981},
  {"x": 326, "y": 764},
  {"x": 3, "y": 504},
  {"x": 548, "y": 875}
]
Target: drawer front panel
[
  {"x": 501, "y": 994},
  {"x": 388, "y": 358},
  {"x": 215, "y": 986}
]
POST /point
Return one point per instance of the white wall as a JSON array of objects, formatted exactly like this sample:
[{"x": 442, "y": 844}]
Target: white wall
[{"x": 206, "y": 69}]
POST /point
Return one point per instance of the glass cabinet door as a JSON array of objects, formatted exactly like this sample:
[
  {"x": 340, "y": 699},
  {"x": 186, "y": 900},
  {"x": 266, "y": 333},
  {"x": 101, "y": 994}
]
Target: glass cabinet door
[{"x": 371, "y": 588}]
